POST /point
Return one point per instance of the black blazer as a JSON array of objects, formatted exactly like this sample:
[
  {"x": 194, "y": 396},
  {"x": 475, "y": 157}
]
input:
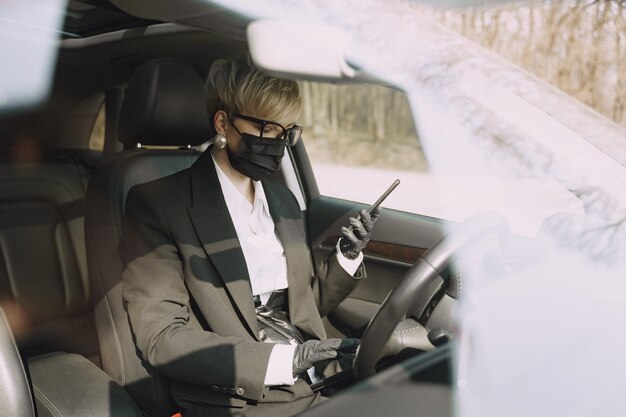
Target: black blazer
[{"x": 188, "y": 295}]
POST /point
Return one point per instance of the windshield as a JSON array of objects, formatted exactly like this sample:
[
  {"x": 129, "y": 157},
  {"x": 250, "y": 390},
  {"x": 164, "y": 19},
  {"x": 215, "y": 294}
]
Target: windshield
[{"x": 513, "y": 108}]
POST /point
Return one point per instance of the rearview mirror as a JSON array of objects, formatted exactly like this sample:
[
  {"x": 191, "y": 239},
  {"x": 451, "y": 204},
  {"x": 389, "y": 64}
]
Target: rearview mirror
[{"x": 302, "y": 50}]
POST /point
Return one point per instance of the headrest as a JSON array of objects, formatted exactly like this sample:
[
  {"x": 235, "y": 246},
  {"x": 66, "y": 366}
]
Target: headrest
[{"x": 164, "y": 105}]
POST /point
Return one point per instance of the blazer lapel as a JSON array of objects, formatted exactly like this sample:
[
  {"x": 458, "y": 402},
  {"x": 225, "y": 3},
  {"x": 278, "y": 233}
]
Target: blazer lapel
[
  {"x": 302, "y": 310},
  {"x": 214, "y": 227}
]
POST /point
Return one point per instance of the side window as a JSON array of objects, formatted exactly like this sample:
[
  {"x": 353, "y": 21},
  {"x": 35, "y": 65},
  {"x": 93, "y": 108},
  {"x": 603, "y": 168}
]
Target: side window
[
  {"x": 359, "y": 139},
  {"x": 96, "y": 139}
]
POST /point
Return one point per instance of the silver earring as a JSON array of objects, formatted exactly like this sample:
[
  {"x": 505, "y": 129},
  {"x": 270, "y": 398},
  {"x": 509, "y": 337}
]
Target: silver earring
[{"x": 220, "y": 141}]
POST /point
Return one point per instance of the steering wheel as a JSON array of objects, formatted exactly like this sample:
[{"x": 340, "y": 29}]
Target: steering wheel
[{"x": 408, "y": 294}]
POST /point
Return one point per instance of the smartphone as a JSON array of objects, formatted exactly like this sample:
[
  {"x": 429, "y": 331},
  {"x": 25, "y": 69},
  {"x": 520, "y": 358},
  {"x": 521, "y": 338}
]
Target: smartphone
[
  {"x": 344, "y": 243},
  {"x": 382, "y": 197}
]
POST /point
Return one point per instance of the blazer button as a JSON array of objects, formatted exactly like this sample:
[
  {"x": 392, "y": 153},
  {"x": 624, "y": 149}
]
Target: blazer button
[{"x": 240, "y": 391}]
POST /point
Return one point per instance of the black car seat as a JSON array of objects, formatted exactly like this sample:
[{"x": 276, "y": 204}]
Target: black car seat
[
  {"x": 163, "y": 105},
  {"x": 44, "y": 289},
  {"x": 63, "y": 385}
]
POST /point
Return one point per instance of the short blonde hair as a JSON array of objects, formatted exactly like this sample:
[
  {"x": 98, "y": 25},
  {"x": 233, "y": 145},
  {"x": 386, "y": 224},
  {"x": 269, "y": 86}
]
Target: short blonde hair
[{"x": 236, "y": 86}]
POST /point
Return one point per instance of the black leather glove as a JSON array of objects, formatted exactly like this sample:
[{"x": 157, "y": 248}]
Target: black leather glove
[
  {"x": 312, "y": 351},
  {"x": 356, "y": 237}
]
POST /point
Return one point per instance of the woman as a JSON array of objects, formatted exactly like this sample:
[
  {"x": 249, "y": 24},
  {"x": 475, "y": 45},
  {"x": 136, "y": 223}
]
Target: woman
[{"x": 218, "y": 282}]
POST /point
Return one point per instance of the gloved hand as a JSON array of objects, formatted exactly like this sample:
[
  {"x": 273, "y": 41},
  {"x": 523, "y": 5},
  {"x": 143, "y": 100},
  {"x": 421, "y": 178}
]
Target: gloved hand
[
  {"x": 356, "y": 237},
  {"x": 312, "y": 351}
]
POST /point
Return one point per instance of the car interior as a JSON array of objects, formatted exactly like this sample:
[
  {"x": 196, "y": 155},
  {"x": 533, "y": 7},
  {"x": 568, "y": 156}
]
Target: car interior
[{"x": 65, "y": 339}]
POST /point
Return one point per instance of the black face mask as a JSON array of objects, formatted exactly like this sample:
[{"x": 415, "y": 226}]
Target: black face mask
[{"x": 257, "y": 158}]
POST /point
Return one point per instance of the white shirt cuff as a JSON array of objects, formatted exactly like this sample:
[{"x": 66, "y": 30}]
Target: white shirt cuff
[
  {"x": 348, "y": 265},
  {"x": 280, "y": 366}
]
